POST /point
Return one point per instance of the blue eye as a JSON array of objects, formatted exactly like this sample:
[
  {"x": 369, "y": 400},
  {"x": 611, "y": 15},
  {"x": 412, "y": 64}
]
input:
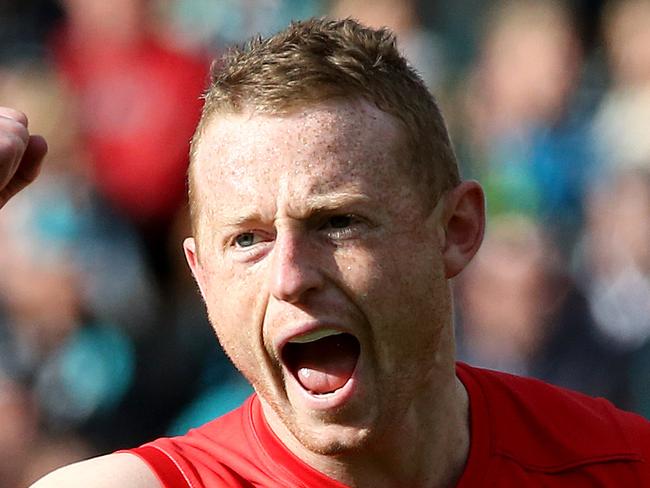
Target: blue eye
[
  {"x": 247, "y": 239},
  {"x": 249, "y": 246}
]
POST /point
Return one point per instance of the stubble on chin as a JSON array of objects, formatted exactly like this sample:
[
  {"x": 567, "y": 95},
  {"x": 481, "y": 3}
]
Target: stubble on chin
[
  {"x": 325, "y": 441},
  {"x": 327, "y": 434}
]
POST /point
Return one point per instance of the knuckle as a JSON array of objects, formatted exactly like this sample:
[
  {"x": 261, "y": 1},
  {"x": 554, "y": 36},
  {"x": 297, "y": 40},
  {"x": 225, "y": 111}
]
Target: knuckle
[
  {"x": 11, "y": 127},
  {"x": 14, "y": 114}
]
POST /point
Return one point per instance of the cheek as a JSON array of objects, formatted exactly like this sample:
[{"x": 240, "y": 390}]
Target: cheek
[
  {"x": 400, "y": 271},
  {"x": 404, "y": 296},
  {"x": 235, "y": 303}
]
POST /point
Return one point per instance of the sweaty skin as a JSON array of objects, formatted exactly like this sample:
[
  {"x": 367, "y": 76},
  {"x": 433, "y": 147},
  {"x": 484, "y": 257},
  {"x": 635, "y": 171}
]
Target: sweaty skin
[{"x": 313, "y": 219}]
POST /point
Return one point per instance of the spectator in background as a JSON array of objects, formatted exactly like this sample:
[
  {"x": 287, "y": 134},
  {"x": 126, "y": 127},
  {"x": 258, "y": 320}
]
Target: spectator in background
[
  {"x": 621, "y": 124},
  {"x": 532, "y": 319},
  {"x": 75, "y": 339},
  {"x": 225, "y": 22},
  {"x": 68, "y": 327},
  {"x": 65, "y": 208},
  {"x": 615, "y": 271},
  {"x": 139, "y": 104},
  {"x": 616, "y": 257},
  {"x": 524, "y": 138},
  {"x": 150, "y": 357},
  {"x": 420, "y": 45}
]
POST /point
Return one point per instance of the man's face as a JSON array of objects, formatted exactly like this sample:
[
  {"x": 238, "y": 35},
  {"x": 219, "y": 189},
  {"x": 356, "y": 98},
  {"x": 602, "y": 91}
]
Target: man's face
[{"x": 321, "y": 268}]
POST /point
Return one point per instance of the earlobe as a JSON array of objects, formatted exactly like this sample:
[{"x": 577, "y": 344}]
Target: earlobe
[
  {"x": 191, "y": 255},
  {"x": 464, "y": 224}
]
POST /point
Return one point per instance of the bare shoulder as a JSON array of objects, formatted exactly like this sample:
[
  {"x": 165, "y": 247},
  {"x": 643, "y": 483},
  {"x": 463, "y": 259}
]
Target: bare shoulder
[{"x": 121, "y": 470}]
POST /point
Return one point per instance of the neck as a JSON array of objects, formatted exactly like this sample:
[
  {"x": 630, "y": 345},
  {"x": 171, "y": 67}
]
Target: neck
[{"x": 426, "y": 448}]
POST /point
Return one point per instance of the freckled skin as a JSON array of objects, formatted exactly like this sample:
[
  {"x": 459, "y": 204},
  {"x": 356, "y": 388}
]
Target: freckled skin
[{"x": 281, "y": 179}]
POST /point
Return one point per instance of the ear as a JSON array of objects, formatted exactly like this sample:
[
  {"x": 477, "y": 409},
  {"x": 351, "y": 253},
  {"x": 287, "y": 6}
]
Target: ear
[
  {"x": 192, "y": 257},
  {"x": 463, "y": 221}
]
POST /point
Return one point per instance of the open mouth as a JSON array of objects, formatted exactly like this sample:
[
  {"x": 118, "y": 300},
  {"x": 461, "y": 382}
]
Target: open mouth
[{"x": 322, "y": 361}]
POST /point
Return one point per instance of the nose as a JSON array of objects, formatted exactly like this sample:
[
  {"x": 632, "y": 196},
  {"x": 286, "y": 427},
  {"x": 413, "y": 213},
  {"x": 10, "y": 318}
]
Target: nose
[{"x": 294, "y": 269}]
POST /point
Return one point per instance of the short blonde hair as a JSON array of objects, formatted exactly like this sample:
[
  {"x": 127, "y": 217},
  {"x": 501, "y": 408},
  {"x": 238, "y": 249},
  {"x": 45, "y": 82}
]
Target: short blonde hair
[{"x": 319, "y": 60}]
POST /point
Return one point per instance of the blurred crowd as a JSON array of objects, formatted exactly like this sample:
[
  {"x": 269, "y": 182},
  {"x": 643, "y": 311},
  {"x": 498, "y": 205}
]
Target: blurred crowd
[{"x": 104, "y": 341}]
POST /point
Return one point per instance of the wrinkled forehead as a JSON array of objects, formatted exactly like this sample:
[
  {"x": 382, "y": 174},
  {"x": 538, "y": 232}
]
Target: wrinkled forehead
[
  {"x": 355, "y": 127},
  {"x": 328, "y": 144}
]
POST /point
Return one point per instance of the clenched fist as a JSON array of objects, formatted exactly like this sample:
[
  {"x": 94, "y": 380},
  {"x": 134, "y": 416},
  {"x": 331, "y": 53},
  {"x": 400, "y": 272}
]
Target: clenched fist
[{"x": 20, "y": 153}]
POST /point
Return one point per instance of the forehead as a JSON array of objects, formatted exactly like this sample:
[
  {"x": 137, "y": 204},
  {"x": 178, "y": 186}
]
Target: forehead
[
  {"x": 310, "y": 132},
  {"x": 342, "y": 145}
]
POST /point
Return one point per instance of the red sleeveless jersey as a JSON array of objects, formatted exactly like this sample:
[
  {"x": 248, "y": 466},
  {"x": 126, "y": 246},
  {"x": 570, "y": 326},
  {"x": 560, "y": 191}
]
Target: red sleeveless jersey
[{"x": 523, "y": 433}]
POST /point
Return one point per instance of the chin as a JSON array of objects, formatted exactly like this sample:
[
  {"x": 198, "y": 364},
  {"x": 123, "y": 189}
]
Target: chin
[{"x": 332, "y": 440}]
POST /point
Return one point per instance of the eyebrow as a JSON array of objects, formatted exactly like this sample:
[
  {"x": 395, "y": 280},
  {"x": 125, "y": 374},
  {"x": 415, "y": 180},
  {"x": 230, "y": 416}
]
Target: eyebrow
[
  {"x": 313, "y": 205},
  {"x": 333, "y": 201}
]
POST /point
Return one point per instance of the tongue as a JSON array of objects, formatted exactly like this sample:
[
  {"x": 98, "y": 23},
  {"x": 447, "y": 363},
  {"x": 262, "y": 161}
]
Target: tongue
[{"x": 327, "y": 364}]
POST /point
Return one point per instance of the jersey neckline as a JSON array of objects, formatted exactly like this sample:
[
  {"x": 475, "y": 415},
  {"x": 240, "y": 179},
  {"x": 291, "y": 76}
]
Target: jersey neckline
[{"x": 300, "y": 473}]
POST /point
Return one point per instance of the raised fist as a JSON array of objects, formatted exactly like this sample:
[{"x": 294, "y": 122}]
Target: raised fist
[{"x": 20, "y": 153}]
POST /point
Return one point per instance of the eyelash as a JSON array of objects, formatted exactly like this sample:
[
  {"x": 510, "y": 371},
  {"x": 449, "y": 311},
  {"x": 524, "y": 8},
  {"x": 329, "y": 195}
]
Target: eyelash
[
  {"x": 258, "y": 238},
  {"x": 341, "y": 233}
]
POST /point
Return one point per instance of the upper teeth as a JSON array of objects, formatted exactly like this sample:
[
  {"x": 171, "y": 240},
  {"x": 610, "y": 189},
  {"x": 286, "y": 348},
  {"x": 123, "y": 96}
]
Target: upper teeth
[{"x": 314, "y": 336}]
